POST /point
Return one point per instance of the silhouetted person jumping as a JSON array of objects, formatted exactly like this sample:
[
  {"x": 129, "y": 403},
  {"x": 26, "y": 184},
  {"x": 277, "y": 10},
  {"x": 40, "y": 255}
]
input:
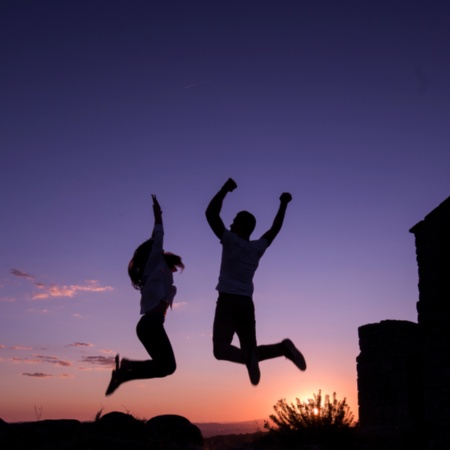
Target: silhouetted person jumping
[
  {"x": 235, "y": 312},
  {"x": 151, "y": 272}
]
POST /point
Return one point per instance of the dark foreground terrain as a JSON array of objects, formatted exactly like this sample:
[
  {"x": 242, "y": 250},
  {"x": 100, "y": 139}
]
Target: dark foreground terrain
[
  {"x": 113, "y": 431},
  {"x": 117, "y": 430},
  {"x": 120, "y": 431}
]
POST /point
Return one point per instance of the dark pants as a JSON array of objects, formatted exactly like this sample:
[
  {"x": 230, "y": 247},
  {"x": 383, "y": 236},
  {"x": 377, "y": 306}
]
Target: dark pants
[
  {"x": 236, "y": 314},
  {"x": 150, "y": 331}
]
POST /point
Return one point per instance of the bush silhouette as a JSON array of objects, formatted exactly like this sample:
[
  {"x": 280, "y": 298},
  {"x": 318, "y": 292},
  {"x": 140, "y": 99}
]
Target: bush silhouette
[{"x": 320, "y": 420}]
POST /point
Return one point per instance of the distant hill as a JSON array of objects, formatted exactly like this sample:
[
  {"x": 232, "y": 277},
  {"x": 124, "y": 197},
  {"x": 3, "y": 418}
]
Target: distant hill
[{"x": 209, "y": 429}]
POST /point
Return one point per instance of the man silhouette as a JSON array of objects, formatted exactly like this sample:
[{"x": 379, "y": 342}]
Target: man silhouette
[{"x": 235, "y": 312}]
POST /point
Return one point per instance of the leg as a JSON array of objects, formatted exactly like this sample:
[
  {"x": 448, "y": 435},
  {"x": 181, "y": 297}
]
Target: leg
[
  {"x": 246, "y": 325},
  {"x": 246, "y": 331},
  {"x": 284, "y": 348},
  {"x": 270, "y": 351},
  {"x": 150, "y": 331},
  {"x": 153, "y": 336},
  {"x": 224, "y": 327}
]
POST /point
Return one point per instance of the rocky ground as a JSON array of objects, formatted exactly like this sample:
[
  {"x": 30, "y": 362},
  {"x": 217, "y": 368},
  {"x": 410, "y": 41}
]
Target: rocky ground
[
  {"x": 113, "y": 431},
  {"x": 120, "y": 431}
]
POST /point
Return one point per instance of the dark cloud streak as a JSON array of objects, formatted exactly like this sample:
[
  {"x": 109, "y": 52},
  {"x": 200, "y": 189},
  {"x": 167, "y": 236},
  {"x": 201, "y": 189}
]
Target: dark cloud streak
[
  {"x": 99, "y": 360},
  {"x": 21, "y": 274},
  {"x": 37, "y": 375},
  {"x": 80, "y": 344}
]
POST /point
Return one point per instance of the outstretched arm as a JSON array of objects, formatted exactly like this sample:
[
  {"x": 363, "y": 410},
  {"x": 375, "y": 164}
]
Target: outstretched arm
[
  {"x": 215, "y": 206},
  {"x": 157, "y": 212},
  {"x": 158, "y": 232},
  {"x": 271, "y": 234}
]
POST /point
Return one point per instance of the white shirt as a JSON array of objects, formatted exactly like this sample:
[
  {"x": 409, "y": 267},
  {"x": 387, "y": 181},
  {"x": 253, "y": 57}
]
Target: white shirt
[
  {"x": 158, "y": 278},
  {"x": 240, "y": 259}
]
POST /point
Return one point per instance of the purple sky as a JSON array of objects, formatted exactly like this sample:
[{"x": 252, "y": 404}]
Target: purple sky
[{"x": 344, "y": 104}]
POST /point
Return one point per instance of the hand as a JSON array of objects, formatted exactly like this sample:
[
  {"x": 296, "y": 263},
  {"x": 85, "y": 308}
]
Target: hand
[
  {"x": 156, "y": 205},
  {"x": 230, "y": 185},
  {"x": 285, "y": 197}
]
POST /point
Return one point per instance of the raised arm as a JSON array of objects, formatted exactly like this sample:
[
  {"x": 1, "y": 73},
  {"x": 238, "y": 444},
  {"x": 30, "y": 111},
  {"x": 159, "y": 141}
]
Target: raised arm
[
  {"x": 154, "y": 257},
  {"x": 215, "y": 206},
  {"x": 271, "y": 234},
  {"x": 157, "y": 212},
  {"x": 157, "y": 239}
]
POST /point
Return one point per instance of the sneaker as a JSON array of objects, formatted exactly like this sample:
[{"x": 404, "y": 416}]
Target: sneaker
[
  {"x": 293, "y": 354},
  {"x": 253, "y": 367},
  {"x": 125, "y": 364},
  {"x": 113, "y": 384}
]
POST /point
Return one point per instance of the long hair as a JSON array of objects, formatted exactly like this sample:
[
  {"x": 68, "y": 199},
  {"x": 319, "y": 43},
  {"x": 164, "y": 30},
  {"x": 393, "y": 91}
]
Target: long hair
[
  {"x": 137, "y": 264},
  {"x": 173, "y": 261}
]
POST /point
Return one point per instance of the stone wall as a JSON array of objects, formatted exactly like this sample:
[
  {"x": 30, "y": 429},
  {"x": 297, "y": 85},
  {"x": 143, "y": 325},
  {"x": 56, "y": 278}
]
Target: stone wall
[
  {"x": 388, "y": 375},
  {"x": 404, "y": 367},
  {"x": 432, "y": 236}
]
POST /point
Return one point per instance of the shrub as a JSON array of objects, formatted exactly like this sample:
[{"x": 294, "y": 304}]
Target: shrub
[{"x": 320, "y": 420}]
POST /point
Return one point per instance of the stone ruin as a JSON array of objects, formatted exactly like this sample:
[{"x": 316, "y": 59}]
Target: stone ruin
[{"x": 404, "y": 367}]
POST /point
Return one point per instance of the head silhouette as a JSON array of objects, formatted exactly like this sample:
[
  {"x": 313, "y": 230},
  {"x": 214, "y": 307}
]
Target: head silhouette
[
  {"x": 243, "y": 224},
  {"x": 137, "y": 264}
]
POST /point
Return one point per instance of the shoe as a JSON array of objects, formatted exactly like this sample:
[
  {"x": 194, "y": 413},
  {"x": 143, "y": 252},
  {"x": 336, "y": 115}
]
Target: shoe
[
  {"x": 116, "y": 361},
  {"x": 114, "y": 383},
  {"x": 125, "y": 365},
  {"x": 293, "y": 354},
  {"x": 253, "y": 367}
]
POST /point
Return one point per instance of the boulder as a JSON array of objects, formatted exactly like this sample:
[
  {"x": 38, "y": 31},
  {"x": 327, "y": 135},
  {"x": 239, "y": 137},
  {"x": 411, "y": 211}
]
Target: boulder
[
  {"x": 174, "y": 432},
  {"x": 118, "y": 424}
]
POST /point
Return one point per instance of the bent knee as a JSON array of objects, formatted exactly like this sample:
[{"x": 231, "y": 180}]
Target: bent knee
[
  {"x": 170, "y": 369},
  {"x": 165, "y": 370},
  {"x": 218, "y": 352}
]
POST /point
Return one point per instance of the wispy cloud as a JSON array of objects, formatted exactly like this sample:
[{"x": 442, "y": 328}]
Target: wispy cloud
[
  {"x": 193, "y": 85},
  {"x": 80, "y": 344},
  {"x": 20, "y": 347},
  {"x": 38, "y": 311},
  {"x": 99, "y": 360},
  {"x": 179, "y": 305},
  {"x": 7, "y": 299},
  {"x": 16, "y": 359},
  {"x": 54, "y": 360},
  {"x": 37, "y": 375},
  {"x": 108, "y": 352},
  {"x": 38, "y": 359},
  {"x": 21, "y": 274},
  {"x": 46, "y": 375},
  {"x": 54, "y": 290}
]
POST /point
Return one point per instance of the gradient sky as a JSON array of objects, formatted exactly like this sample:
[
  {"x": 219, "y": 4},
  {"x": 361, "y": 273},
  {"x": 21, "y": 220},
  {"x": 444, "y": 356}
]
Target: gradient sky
[{"x": 103, "y": 102}]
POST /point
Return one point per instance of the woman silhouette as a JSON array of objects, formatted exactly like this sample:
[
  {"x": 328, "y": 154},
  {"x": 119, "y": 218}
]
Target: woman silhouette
[{"x": 151, "y": 272}]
